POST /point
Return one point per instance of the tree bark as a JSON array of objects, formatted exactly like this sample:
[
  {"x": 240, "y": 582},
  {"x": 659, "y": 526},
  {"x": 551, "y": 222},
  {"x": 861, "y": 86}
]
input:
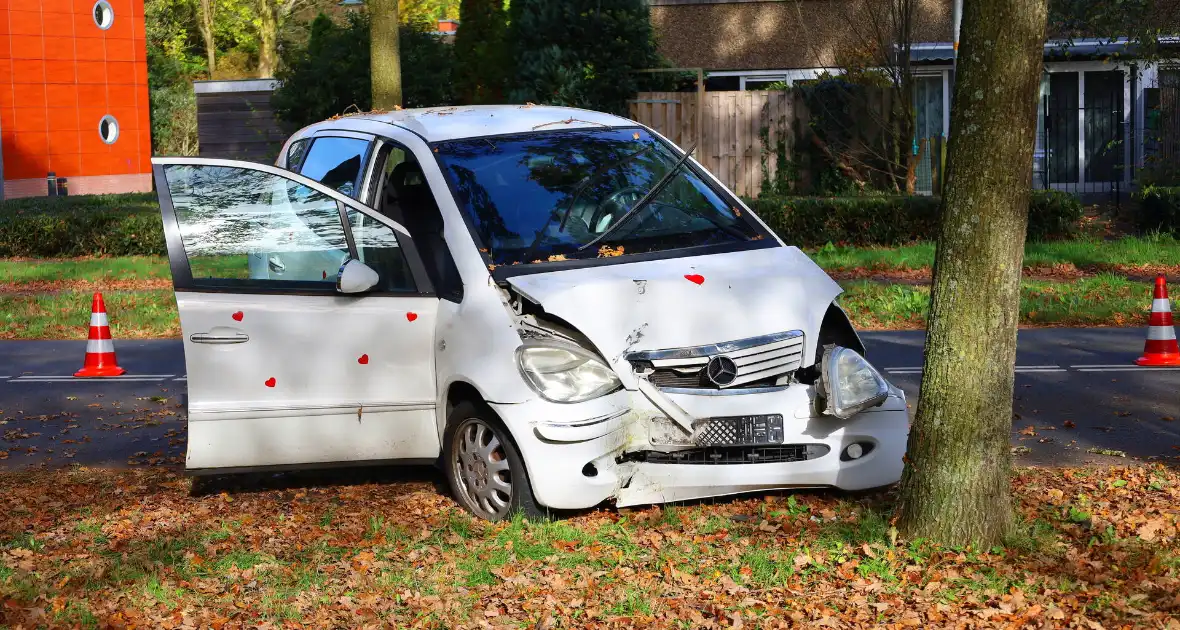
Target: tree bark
[
  {"x": 956, "y": 487},
  {"x": 206, "y": 28},
  {"x": 268, "y": 38},
  {"x": 386, "y": 57}
]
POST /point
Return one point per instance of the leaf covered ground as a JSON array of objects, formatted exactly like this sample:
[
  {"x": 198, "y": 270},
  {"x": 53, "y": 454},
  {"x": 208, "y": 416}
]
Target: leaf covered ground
[{"x": 1098, "y": 547}]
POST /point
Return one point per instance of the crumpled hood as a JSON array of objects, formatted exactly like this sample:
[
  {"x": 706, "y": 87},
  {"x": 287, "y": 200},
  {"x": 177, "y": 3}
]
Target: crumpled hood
[{"x": 692, "y": 301}]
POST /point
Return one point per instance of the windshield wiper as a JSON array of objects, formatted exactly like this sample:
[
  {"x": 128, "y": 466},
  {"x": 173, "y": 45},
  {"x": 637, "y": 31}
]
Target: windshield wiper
[
  {"x": 569, "y": 207},
  {"x": 643, "y": 201}
]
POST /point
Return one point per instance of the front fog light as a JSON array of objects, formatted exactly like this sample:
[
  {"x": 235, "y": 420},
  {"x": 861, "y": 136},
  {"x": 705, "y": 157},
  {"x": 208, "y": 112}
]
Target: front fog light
[
  {"x": 854, "y": 451},
  {"x": 565, "y": 374},
  {"x": 848, "y": 383}
]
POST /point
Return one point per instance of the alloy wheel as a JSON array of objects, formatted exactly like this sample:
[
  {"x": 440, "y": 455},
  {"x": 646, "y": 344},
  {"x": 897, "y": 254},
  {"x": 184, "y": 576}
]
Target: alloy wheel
[{"x": 481, "y": 469}]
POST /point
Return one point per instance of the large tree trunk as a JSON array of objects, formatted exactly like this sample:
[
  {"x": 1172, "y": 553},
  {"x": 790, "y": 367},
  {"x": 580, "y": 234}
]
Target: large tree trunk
[
  {"x": 268, "y": 38},
  {"x": 956, "y": 485},
  {"x": 206, "y": 28},
  {"x": 386, "y": 57}
]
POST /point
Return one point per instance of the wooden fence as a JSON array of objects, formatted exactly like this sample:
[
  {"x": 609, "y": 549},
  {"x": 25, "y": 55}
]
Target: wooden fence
[{"x": 741, "y": 130}]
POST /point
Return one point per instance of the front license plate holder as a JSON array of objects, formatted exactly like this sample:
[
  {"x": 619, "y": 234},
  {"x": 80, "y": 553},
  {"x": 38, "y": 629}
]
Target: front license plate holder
[{"x": 739, "y": 431}]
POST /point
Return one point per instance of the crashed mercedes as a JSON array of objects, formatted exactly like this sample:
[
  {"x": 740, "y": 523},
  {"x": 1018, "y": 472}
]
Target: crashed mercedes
[{"x": 559, "y": 307}]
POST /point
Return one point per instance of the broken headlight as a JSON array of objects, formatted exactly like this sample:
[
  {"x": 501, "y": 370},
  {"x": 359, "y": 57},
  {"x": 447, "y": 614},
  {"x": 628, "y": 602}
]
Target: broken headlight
[
  {"x": 849, "y": 383},
  {"x": 565, "y": 374}
]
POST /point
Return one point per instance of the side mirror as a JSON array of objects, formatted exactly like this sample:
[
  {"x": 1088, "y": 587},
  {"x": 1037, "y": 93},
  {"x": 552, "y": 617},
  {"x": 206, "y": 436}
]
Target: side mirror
[{"x": 355, "y": 277}]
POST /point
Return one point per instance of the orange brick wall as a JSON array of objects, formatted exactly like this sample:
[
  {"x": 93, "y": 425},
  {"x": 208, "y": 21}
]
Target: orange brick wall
[{"x": 59, "y": 75}]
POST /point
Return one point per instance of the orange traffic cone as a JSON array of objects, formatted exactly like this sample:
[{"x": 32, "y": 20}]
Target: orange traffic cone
[
  {"x": 1161, "y": 347},
  {"x": 100, "y": 349}
]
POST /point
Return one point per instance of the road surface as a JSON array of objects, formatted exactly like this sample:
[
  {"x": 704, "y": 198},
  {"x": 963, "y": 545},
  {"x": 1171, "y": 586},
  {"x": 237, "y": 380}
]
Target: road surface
[{"x": 1078, "y": 395}]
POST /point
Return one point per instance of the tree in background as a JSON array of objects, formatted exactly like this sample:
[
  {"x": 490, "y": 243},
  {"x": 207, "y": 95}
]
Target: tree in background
[
  {"x": 580, "y": 52},
  {"x": 330, "y": 73},
  {"x": 481, "y": 55},
  {"x": 273, "y": 16},
  {"x": 206, "y": 28},
  {"x": 385, "y": 61},
  {"x": 956, "y": 488}
]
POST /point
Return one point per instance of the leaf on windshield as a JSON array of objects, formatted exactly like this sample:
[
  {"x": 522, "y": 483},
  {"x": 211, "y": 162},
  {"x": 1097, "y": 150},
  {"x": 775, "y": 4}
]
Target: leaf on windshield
[
  {"x": 606, "y": 251},
  {"x": 737, "y": 211},
  {"x": 557, "y": 258}
]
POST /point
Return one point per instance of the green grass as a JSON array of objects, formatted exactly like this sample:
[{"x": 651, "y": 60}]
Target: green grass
[
  {"x": 1103, "y": 300},
  {"x": 66, "y": 315},
  {"x": 95, "y": 269},
  {"x": 1131, "y": 251}
]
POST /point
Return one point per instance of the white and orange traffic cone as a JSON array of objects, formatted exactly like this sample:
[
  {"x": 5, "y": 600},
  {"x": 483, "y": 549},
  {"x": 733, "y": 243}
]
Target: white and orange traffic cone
[
  {"x": 100, "y": 348},
  {"x": 1161, "y": 347}
]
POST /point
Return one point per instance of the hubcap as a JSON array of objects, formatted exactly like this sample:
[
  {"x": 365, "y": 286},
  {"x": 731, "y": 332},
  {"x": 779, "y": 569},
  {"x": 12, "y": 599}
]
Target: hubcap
[{"x": 481, "y": 469}]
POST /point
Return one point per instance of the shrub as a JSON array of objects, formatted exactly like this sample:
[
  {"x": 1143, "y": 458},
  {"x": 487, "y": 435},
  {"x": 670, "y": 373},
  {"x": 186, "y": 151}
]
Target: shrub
[
  {"x": 1053, "y": 214},
  {"x": 878, "y": 220},
  {"x": 89, "y": 225},
  {"x": 1159, "y": 210},
  {"x": 893, "y": 220},
  {"x": 331, "y": 73},
  {"x": 580, "y": 53}
]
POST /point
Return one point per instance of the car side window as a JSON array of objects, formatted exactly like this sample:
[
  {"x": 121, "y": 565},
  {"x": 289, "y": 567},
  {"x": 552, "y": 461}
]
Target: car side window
[
  {"x": 377, "y": 247},
  {"x": 244, "y": 227},
  {"x": 296, "y": 153},
  {"x": 336, "y": 163}
]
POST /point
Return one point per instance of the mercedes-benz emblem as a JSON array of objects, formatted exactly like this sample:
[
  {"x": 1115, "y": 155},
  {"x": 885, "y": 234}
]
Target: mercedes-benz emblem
[{"x": 721, "y": 371}]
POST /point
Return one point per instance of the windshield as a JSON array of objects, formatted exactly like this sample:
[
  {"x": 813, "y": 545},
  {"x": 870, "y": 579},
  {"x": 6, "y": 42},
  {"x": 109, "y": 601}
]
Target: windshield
[{"x": 546, "y": 196}]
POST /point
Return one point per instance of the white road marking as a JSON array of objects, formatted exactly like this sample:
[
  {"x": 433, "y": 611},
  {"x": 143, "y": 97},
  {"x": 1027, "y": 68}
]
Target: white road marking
[
  {"x": 1133, "y": 368},
  {"x": 126, "y": 378}
]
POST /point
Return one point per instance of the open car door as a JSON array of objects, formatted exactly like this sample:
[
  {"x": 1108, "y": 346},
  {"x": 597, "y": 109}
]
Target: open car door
[{"x": 283, "y": 368}]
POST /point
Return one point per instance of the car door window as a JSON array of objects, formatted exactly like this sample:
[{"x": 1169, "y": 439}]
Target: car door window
[
  {"x": 377, "y": 247},
  {"x": 239, "y": 225},
  {"x": 336, "y": 163},
  {"x": 296, "y": 153}
]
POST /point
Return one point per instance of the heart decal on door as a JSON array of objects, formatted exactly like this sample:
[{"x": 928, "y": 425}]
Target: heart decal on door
[
  {"x": 695, "y": 278},
  {"x": 411, "y": 316},
  {"x": 364, "y": 360},
  {"x": 238, "y": 316},
  {"x": 271, "y": 382}
]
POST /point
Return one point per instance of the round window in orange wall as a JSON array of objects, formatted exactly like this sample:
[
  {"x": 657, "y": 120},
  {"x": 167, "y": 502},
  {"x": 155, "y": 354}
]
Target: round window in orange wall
[
  {"x": 108, "y": 129},
  {"x": 104, "y": 15}
]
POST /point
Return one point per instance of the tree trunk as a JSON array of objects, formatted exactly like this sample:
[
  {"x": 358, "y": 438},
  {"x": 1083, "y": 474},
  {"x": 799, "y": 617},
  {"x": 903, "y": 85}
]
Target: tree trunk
[
  {"x": 386, "y": 57},
  {"x": 956, "y": 488},
  {"x": 268, "y": 38},
  {"x": 206, "y": 28}
]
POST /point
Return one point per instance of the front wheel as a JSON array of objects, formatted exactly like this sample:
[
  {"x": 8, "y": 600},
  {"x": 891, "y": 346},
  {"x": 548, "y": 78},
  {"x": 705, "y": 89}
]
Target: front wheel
[{"x": 485, "y": 471}]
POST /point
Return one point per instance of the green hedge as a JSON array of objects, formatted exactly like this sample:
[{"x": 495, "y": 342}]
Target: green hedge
[
  {"x": 893, "y": 220},
  {"x": 85, "y": 225},
  {"x": 1159, "y": 210}
]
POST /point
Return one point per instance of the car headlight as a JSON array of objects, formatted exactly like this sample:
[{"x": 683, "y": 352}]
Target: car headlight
[
  {"x": 849, "y": 383},
  {"x": 565, "y": 374}
]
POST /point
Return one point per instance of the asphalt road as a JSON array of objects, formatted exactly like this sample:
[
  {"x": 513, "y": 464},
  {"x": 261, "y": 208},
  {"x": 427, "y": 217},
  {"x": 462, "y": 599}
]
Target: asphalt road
[{"x": 1078, "y": 394}]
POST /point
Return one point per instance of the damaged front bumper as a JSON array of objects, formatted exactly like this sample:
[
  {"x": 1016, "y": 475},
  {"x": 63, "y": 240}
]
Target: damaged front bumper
[{"x": 632, "y": 446}]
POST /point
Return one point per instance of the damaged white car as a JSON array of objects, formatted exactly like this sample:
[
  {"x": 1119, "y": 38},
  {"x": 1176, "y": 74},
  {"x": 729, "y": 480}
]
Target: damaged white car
[{"x": 560, "y": 306}]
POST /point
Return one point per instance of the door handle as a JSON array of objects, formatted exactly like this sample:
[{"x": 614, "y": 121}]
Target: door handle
[{"x": 219, "y": 339}]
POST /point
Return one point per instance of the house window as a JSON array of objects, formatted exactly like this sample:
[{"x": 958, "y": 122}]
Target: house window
[
  {"x": 104, "y": 15},
  {"x": 108, "y": 129}
]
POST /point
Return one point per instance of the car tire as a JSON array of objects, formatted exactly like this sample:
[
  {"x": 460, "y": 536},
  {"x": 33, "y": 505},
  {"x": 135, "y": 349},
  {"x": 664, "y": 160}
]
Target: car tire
[{"x": 483, "y": 466}]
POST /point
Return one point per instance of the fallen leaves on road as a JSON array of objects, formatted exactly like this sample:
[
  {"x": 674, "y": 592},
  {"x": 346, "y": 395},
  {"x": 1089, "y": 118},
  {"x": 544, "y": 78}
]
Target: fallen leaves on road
[{"x": 1098, "y": 547}]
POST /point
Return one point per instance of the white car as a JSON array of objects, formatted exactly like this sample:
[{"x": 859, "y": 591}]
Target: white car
[{"x": 560, "y": 304}]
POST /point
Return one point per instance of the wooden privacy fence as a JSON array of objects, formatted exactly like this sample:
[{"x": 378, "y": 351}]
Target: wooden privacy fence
[{"x": 741, "y": 130}]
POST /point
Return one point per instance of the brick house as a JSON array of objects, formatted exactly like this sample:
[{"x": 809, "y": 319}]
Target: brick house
[
  {"x": 74, "y": 96},
  {"x": 1100, "y": 107}
]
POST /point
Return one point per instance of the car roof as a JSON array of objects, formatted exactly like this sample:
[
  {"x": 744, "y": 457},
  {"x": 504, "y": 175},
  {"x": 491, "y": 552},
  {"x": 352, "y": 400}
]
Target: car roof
[{"x": 437, "y": 124}]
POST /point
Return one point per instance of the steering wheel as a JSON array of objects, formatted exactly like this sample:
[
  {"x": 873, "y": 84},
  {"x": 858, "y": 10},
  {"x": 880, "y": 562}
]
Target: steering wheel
[{"x": 616, "y": 205}]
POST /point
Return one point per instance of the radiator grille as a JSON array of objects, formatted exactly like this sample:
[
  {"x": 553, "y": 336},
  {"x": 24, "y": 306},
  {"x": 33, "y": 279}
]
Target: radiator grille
[{"x": 760, "y": 362}]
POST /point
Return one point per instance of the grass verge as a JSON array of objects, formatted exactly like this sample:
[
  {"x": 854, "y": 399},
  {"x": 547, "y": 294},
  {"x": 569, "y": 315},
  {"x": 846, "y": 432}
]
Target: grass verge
[
  {"x": 95, "y": 548},
  {"x": 66, "y": 315}
]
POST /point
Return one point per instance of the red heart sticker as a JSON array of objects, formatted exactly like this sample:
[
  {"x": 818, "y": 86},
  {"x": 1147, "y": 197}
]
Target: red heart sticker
[
  {"x": 695, "y": 278},
  {"x": 364, "y": 360},
  {"x": 238, "y": 316},
  {"x": 411, "y": 316},
  {"x": 270, "y": 382}
]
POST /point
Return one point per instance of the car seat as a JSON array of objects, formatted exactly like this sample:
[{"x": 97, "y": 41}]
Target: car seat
[{"x": 425, "y": 223}]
